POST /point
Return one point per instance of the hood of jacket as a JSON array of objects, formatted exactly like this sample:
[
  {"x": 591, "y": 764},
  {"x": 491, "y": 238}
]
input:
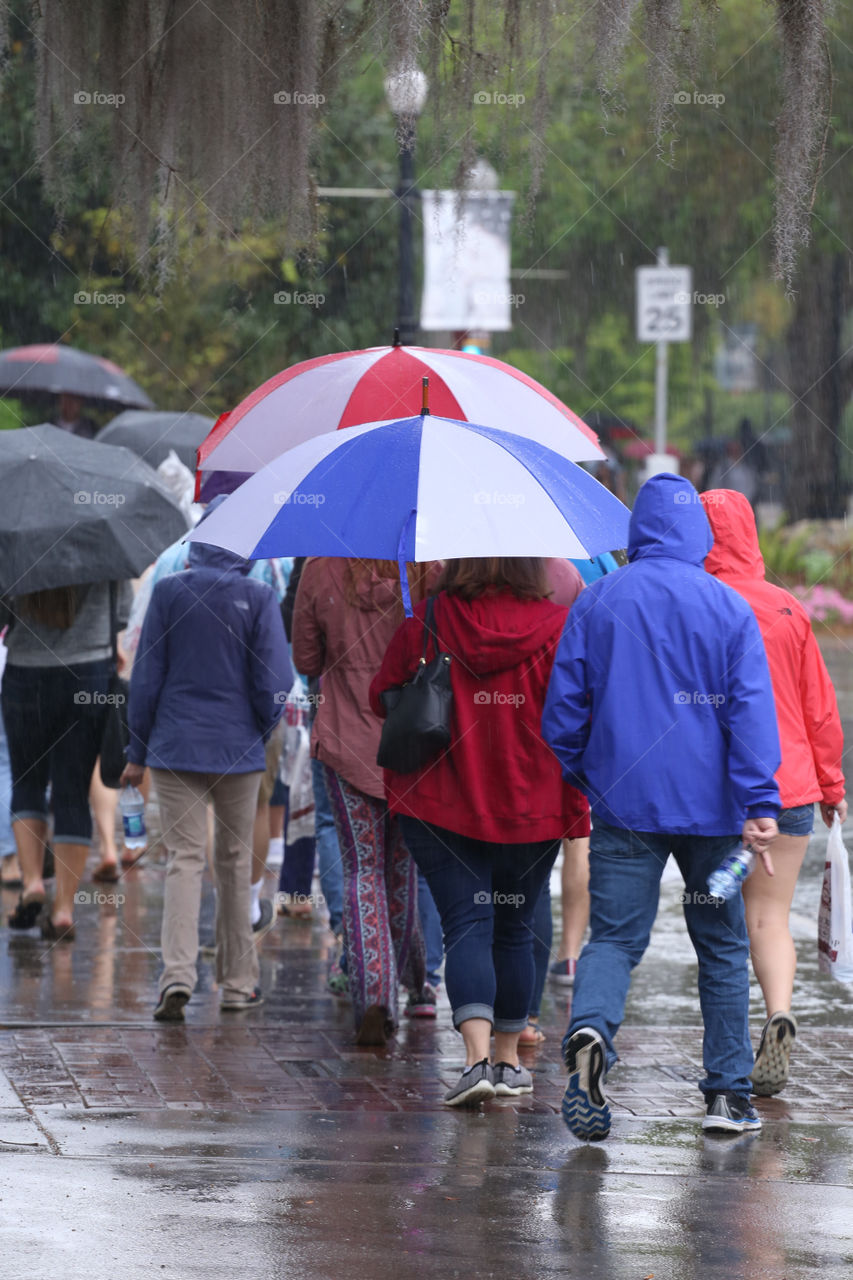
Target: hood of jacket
[
  {"x": 735, "y": 553},
  {"x": 203, "y": 555},
  {"x": 372, "y": 593},
  {"x": 497, "y": 631},
  {"x": 668, "y": 520}
]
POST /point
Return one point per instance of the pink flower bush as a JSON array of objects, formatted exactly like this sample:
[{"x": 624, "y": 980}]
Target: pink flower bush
[{"x": 825, "y": 603}]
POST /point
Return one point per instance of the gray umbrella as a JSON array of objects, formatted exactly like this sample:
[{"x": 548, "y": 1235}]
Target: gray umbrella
[
  {"x": 152, "y": 435},
  {"x": 51, "y": 368},
  {"x": 76, "y": 511}
]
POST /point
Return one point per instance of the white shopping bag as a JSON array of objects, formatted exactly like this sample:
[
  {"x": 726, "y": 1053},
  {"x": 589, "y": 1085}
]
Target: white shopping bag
[{"x": 835, "y": 918}]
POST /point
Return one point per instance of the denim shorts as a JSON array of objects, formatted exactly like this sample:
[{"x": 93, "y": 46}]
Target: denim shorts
[{"x": 798, "y": 821}]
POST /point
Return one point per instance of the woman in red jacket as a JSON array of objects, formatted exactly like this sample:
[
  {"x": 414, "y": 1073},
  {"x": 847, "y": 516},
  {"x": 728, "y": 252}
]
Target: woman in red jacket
[
  {"x": 485, "y": 819},
  {"x": 812, "y": 744}
]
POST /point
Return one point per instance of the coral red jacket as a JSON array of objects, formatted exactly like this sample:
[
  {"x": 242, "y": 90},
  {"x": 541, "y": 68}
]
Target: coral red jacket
[
  {"x": 809, "y": 725},
  {"x": 497, "y": 781}
]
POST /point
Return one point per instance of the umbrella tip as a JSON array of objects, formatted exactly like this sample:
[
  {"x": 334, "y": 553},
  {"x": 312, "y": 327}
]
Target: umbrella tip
[
  {"x": 425, "y": 397},
  {"x": 396, "y": 342}
]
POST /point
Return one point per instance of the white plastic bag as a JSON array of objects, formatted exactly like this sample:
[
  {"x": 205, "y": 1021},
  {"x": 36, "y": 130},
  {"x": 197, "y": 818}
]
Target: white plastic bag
[{"x": 835, "y": 918}]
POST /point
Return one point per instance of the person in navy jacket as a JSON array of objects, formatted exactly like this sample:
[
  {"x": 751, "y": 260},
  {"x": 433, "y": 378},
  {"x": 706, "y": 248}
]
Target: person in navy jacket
[
  {"x": 210, "y": 680},
  {"x": 660, "y": 709}
]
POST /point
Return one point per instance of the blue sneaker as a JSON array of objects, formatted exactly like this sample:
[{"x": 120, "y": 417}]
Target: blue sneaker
[
  {"x": 585, "y": 1108},
  {"x": 730, "y": 1113}
]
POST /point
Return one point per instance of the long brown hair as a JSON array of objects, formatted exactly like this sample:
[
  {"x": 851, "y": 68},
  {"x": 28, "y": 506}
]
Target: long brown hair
[
  {"x": 523, "y": 575},
  {"x": 359, "y": 572},
  {"x": 56, "y": 608}
]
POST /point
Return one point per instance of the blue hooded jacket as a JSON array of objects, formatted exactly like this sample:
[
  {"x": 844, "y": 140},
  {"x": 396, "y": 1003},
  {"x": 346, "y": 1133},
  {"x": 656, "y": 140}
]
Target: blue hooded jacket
[
  {"x": 212, "y": 671},
  {"x": 660, "y": 706}
]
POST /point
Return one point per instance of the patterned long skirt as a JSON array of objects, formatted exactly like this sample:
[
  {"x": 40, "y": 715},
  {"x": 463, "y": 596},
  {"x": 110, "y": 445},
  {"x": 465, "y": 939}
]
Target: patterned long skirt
[{"x": 382, "y": 930}]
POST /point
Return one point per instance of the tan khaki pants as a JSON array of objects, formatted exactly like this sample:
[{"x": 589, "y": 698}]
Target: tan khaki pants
[{"x": 183, "y": 799}]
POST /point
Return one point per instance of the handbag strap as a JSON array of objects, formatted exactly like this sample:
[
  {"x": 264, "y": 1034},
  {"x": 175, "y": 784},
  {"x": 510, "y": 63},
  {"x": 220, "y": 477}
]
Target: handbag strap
[{"x": 430, "y": 629}]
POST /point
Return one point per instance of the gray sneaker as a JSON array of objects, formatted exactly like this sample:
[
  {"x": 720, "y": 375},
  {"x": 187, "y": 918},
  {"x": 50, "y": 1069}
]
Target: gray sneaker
[
  {"x": 474, "y": 1085},
  {"x": 770, "y": 1073},
  {"x": 511, "y": 1081}
]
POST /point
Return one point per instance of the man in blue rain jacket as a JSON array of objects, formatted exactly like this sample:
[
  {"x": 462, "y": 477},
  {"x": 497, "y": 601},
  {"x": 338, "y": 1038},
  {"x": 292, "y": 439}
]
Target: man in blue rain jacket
[{"x": 660, "y": 709}]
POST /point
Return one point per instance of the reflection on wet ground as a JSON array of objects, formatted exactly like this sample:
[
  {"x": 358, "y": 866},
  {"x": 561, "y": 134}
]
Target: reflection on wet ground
[{"x": 271, "y": 1144}]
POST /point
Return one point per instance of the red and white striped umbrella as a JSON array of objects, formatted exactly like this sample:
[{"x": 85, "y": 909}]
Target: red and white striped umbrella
[{"x": 382, "y": 384}]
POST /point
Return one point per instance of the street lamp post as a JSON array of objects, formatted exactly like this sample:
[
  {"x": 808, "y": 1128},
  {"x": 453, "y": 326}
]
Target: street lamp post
[{"x": 406, "y": 91}]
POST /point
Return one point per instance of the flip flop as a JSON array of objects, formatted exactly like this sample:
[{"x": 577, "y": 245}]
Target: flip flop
[
  {"x": 106, "y": 873},
  {"x": 26, "y": 914},
  {"x": 57, "y": 933},
  {"x": 129, "y": 860},
  {"x": 532, "y": 1034}
]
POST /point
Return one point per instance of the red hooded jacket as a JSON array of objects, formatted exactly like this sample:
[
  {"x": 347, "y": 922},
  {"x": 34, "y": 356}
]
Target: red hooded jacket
[
  {"x": 809, "y": 725},
  {"x": 497, "y": 781}
]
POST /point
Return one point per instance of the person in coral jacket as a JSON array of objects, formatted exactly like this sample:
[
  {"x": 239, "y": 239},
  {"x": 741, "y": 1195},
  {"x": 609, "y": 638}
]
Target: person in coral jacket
[
  {"x": 484, "y": 820},
  {"x": 812, "y": 744}
]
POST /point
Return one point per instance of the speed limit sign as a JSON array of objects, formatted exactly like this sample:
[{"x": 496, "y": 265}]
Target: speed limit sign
[{"x": 664, "y": 304}]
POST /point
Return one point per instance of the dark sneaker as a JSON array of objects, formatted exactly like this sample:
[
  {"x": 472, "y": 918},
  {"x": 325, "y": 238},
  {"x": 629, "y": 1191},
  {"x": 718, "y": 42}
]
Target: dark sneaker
[
  {"x": 730, "y": 1113},
  {"x": 377, "y": 1027},
  {"x": 770, "y": 1073},
  {"x": 511, "y": 1082},
  {"x": 170, "y": 1006},
  {"x": 422, "y": 1004},
  {"x": 233, "y": 1003},
  {"x": 585, "y": 1108},
  {"x": 563, "y": 972},
  {"x": 474, "y": 1085},
  {"x": 265, "y": 920}
]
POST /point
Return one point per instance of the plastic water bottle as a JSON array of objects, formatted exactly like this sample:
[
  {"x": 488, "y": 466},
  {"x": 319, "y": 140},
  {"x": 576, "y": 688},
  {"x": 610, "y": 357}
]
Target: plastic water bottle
[
  {"x": 727, "y": 879},
  {"x": 132, "y": 807}
]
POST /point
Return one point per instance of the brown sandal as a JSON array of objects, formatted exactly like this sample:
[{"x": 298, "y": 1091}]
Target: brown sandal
[
  {"x": 106, "y": 873},
  {"x": 57, "y": 933}
]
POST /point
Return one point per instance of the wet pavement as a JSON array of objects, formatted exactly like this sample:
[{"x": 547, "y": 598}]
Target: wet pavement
[{"x": 265, "y": 1142}]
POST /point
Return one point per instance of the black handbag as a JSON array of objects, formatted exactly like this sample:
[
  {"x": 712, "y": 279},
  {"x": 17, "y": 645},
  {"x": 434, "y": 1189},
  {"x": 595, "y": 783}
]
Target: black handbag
[
  {"x": 116, "y": 733},
  {"x": 417, "y": 723}
]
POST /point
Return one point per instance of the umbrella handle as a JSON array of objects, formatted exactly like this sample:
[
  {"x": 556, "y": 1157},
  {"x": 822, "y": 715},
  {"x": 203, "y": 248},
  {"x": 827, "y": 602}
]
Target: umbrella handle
[
  {"x": 425, "y": 397},
  {"x": 408, "y": 527}
]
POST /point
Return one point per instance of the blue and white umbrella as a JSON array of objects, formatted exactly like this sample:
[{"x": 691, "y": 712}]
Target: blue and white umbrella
[{"x": 423, "y": 488}]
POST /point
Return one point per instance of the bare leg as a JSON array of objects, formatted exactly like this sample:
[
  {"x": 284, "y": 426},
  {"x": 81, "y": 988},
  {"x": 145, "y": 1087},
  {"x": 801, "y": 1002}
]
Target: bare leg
[
  {"x": 575, "y": 891},
  {"x": 506, "y": 1047},
  {"x": 31, "y": 838},
  {"x": 768, "y": 904},
  {"x": 276, "y": 821},
  {"x": 104, "y": 804},
  {"x": 70, "y": 865},
  {"x": 477, "y": 1034}
]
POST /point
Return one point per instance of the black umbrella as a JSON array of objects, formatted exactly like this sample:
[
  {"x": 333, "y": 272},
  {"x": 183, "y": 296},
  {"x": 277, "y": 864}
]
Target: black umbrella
[
  {"x": 76, "y": 511},
  {"x": 152, "y": 435},
  {"x": 51, "y": 368}
]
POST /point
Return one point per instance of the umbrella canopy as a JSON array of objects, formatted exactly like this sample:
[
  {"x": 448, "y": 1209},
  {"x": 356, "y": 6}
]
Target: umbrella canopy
[
  {"x": 381, "y": 384},
  {"x": 153, "y": 435},
  {"x": 423, "y": 488},
  {"x": 76, "y": 511},
  {"x": 53, "y": 368}
]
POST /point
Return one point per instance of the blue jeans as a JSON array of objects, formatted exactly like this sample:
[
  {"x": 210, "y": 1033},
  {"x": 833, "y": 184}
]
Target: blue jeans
[
  {"x": 625, "y": 870},
  {"x": 486, "y": 895},
  {"x": 543, "y": 936},
  {"x": 330, "y": 866},
  {"x": 431, "y": 928},
  {"x": 7, "y": 839}
]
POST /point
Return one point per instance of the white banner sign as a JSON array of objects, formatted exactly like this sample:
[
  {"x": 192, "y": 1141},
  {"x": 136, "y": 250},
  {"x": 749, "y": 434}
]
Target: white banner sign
[
  {"x": 466, "y": 261},
  {"x": 664, "y": 304}
]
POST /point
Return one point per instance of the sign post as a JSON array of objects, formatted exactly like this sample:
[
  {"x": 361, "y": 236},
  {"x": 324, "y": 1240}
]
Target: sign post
[{"x": 664, "y": 315}]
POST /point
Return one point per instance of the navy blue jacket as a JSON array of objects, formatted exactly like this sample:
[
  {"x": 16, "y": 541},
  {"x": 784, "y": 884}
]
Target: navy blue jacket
[
  {"x": 212, "y": 671},
  {"x": 660, "y": 706}
]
